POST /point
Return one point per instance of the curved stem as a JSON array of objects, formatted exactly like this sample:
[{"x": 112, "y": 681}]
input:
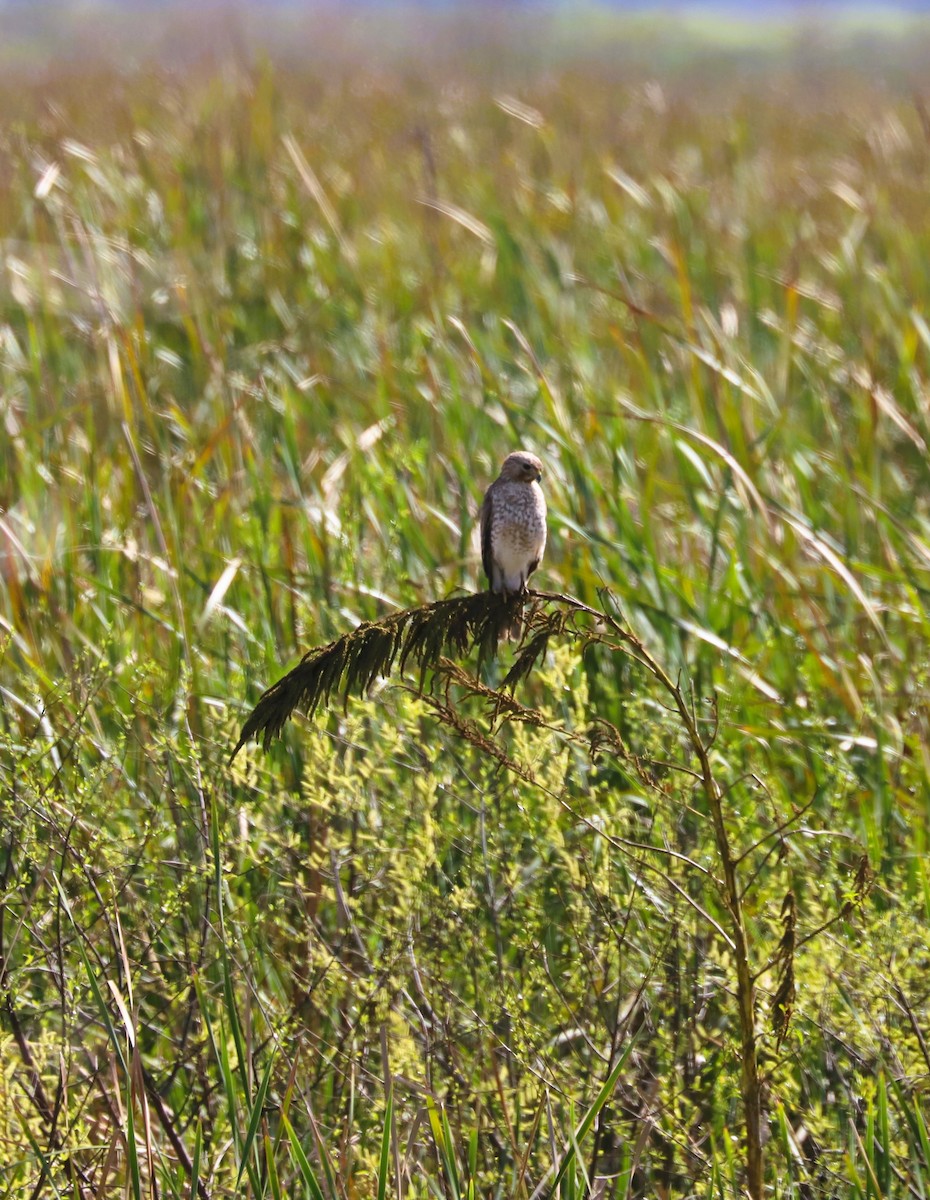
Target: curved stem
[{"x": 751, "y": 1086}]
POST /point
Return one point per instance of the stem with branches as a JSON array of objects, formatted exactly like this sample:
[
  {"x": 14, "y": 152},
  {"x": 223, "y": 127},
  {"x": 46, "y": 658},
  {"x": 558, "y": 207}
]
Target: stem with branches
[
  {"x": 751, "y": 1083},
  {"x": 422, "y": 636}
]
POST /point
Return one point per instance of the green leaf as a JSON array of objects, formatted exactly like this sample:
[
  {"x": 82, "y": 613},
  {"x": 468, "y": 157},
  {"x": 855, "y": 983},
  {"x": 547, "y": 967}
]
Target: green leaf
[
  {"x": 578, "y": 1135},
  {"x": 255, "y": 1117},
  {"x": 314, "y": 1191},
  {"x": 384, "y": 1169}
]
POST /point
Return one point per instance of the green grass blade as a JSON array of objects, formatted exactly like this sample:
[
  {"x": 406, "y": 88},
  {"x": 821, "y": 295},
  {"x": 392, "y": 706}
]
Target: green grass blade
[
  {"x": 883, "y": 1143},
  {"x": 314, "y": 1191},
  {"x": 443, "y": 1142},
  {"x": 255, "y": 1117},
  {"x": 274, "y": 1182},
  {"x": 384, "y": 1161},
  {"x": 132, "y": 1149},
  {"x": 578, "y": 1135},
  {"x": 195, "y": 1161}
]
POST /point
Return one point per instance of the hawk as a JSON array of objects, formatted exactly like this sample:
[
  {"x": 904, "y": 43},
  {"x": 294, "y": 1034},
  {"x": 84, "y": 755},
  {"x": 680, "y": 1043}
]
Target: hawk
[{"x": 513, "y": 525}]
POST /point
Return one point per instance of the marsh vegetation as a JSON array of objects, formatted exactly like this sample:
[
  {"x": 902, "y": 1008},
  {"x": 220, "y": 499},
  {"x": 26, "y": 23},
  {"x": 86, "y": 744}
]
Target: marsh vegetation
[{"x": 266, "y": 331}]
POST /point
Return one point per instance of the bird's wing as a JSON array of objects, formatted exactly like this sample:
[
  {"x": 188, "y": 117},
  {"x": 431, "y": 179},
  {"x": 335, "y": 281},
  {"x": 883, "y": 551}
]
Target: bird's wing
[{"x": 484, "y": 518}]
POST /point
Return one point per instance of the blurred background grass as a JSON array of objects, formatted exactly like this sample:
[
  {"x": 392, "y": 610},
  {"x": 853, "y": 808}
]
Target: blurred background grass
[{"x": 278, "y": 294}]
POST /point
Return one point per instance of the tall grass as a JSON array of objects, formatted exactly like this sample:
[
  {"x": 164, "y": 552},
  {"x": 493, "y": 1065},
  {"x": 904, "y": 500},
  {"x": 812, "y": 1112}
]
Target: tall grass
[{"x": 265, "y": 333}]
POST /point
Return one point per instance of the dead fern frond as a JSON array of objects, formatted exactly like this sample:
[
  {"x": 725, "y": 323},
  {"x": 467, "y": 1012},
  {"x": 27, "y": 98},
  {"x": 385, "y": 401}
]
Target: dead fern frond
[
  {"x": 783, "y": 1000},
  {"x": 351, "y": 664},
  {"x": 534, "y": 650},
  {"x": 862, "y": 886},
  {"x": 500, "y": 704},
  {"x": 470, "y": 731}
]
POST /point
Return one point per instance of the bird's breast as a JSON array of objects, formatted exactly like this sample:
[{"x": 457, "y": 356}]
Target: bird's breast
[{"x": 518, "y": 533}]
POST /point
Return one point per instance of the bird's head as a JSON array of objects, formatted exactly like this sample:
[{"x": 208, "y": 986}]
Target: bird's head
[{"x": 521, "y": 467}]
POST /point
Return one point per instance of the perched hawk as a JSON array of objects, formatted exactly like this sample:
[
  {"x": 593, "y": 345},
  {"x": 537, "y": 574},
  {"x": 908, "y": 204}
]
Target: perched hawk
[{"x": 513, "y": 524}]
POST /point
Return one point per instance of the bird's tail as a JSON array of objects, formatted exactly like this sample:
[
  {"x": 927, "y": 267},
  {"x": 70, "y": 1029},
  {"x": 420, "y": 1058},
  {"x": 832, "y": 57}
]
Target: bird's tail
[{"x": 511, "y": 627}]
